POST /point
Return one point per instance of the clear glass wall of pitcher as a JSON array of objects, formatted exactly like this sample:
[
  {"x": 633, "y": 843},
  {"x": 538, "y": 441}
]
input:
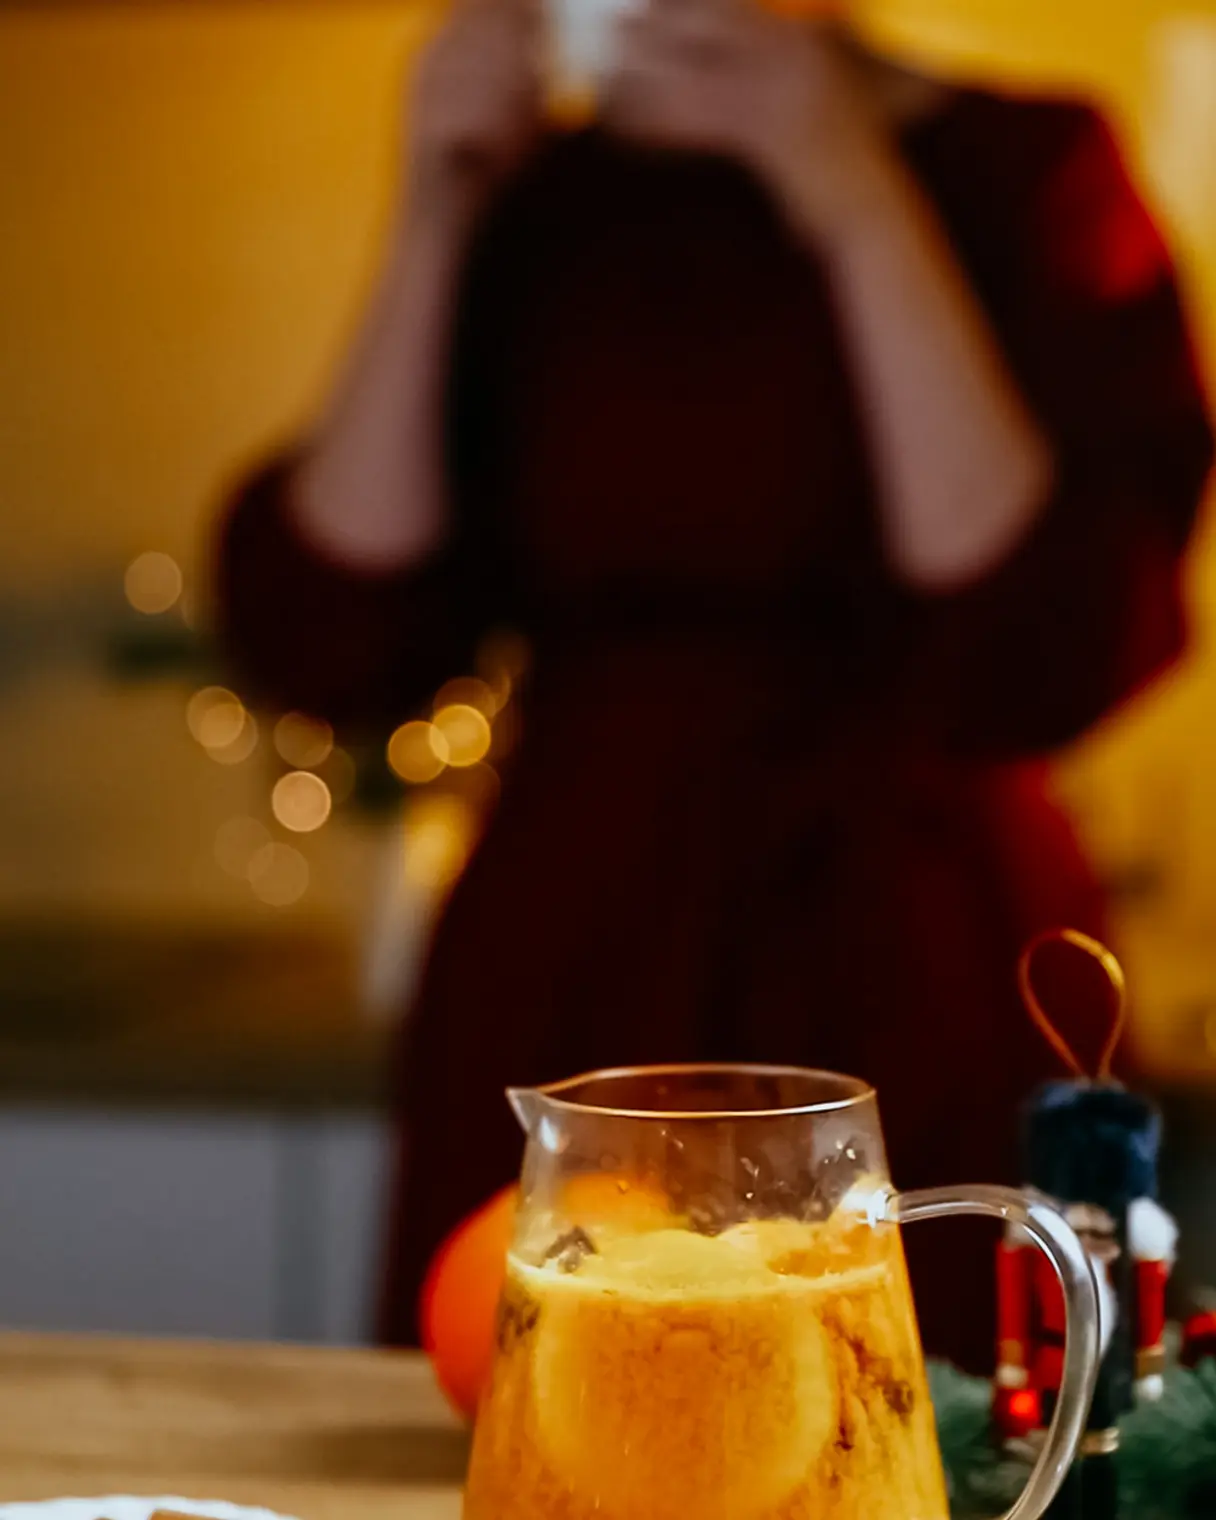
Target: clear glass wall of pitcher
[{"x": 707, "y": 1313}]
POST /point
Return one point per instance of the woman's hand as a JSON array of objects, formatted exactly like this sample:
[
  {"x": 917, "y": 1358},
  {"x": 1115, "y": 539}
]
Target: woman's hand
[
  {"x": 782, "y": 95},
  {"x": 477, "y": 106},
  {"x": 371, "y": 490}
]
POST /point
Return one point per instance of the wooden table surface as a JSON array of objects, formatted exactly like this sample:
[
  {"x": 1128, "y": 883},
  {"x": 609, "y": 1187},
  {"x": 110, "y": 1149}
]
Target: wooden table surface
[{"x": 318, "y": 1434}]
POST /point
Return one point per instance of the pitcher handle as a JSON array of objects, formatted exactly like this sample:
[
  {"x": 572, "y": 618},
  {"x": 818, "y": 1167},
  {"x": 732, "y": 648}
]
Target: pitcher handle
[{"x": 1046, "y": 1227}]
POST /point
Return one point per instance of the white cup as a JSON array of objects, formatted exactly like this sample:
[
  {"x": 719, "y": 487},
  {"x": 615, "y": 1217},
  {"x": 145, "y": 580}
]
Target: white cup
[{"x": 580, "y": 50}]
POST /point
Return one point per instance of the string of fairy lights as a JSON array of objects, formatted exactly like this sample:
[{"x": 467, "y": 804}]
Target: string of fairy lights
[{"x": 443, "y": 767}]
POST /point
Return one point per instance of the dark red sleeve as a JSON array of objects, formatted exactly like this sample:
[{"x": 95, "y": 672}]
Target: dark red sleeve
[
  {"x": 1081, "y": 290},
  {"x": 300, "y": 632}
]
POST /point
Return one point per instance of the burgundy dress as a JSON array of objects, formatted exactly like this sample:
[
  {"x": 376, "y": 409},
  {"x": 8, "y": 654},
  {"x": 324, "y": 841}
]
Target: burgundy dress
[{"x": 769, "y": 804}]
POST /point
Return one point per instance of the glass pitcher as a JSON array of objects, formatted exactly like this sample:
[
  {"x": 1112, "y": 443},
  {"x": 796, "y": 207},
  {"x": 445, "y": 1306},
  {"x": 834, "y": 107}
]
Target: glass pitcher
[{"x": 707, "y": 1313}]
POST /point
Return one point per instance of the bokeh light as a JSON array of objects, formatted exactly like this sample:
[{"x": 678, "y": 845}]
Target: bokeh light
[
  {"x": 278, "y": 875},
  {"x": 215, "y": 717},
  {"x": 153, "y": 582},
  {"x": 418, "y": 752},
  {"x": 439, "y": 834},
  {"x": 241, "y": 747},
  {"x": 220, "y": 723},
  {"x": 303, "y": 741},
  {"x": 478, "y": 785},
  {"x": 469, "y": 691},
  {"x": 466, "y": 733},
  {"x": 236, "y": 843},
  {"x": 502, "y": 661},
  {"x": 301, "y": 801}
]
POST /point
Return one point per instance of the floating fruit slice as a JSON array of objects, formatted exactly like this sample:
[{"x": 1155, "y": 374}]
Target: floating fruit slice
[
  {"x": 832, "y": 1249},
  {"x": 682, "y": 1397},
  {"x": 614, "y": 1199},
  {"x": 671, "y": 1262},
  {"x": 592, "y": 1207}
]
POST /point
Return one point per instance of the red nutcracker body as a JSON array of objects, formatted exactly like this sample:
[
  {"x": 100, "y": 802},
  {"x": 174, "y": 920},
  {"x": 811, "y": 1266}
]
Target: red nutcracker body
[{"x": 1030, "y": 1312}]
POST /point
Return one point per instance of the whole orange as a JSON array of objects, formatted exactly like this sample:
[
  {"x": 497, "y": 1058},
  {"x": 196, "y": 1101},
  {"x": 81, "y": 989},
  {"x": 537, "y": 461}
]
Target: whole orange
[{"x": 460, "y": 1300}]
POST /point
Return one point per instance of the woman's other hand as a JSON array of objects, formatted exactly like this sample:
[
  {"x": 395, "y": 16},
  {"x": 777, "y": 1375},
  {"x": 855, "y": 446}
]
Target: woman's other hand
[
  {"x": 477, "y": 106},
  {"x": 786, "y": 96},
  {"x": 371, "y": 489}
]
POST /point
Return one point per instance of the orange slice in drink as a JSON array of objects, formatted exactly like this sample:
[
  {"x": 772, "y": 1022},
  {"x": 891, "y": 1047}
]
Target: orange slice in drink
[
  {"x": 674, "y": 1375},
  {"x": 614, "y": 1200}
]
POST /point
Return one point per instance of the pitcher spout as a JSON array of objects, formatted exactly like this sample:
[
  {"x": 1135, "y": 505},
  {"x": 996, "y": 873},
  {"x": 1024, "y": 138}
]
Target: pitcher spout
[{"x": 527, "y": 1104}]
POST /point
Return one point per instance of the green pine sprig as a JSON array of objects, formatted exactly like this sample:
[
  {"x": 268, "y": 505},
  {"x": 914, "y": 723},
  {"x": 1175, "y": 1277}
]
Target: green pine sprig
[{"x": 1166, "y": 1462}]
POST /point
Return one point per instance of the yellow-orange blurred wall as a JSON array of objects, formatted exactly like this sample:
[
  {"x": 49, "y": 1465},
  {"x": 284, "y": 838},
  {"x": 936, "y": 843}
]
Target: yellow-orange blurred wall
[{"x": 190, "y": 197}]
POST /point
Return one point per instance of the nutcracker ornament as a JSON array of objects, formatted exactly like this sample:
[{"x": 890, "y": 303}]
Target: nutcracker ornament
[{"x": 1091, "y": 1146}]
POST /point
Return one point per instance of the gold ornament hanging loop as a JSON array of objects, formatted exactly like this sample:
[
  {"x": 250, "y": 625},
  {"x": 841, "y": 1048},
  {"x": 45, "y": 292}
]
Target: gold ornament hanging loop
[{"x": 1114, "y": 974}]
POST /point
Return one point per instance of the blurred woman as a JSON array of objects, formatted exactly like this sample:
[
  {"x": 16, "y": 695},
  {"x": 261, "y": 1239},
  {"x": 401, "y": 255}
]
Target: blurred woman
[{"x": 833, "y": 435}]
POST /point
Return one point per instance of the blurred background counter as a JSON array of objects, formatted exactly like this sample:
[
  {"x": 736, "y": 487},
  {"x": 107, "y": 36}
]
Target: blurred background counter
[{"x": 192, "y": 1134}]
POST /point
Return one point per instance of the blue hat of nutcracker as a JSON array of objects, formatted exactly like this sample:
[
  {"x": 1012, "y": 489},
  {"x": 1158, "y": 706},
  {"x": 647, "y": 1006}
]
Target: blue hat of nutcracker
[{"x": 1092, "y": 1146}]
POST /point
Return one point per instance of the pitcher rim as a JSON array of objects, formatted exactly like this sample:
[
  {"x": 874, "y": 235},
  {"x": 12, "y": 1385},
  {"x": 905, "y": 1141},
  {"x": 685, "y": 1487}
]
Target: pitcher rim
[{"x": 854, "y": 1091}]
